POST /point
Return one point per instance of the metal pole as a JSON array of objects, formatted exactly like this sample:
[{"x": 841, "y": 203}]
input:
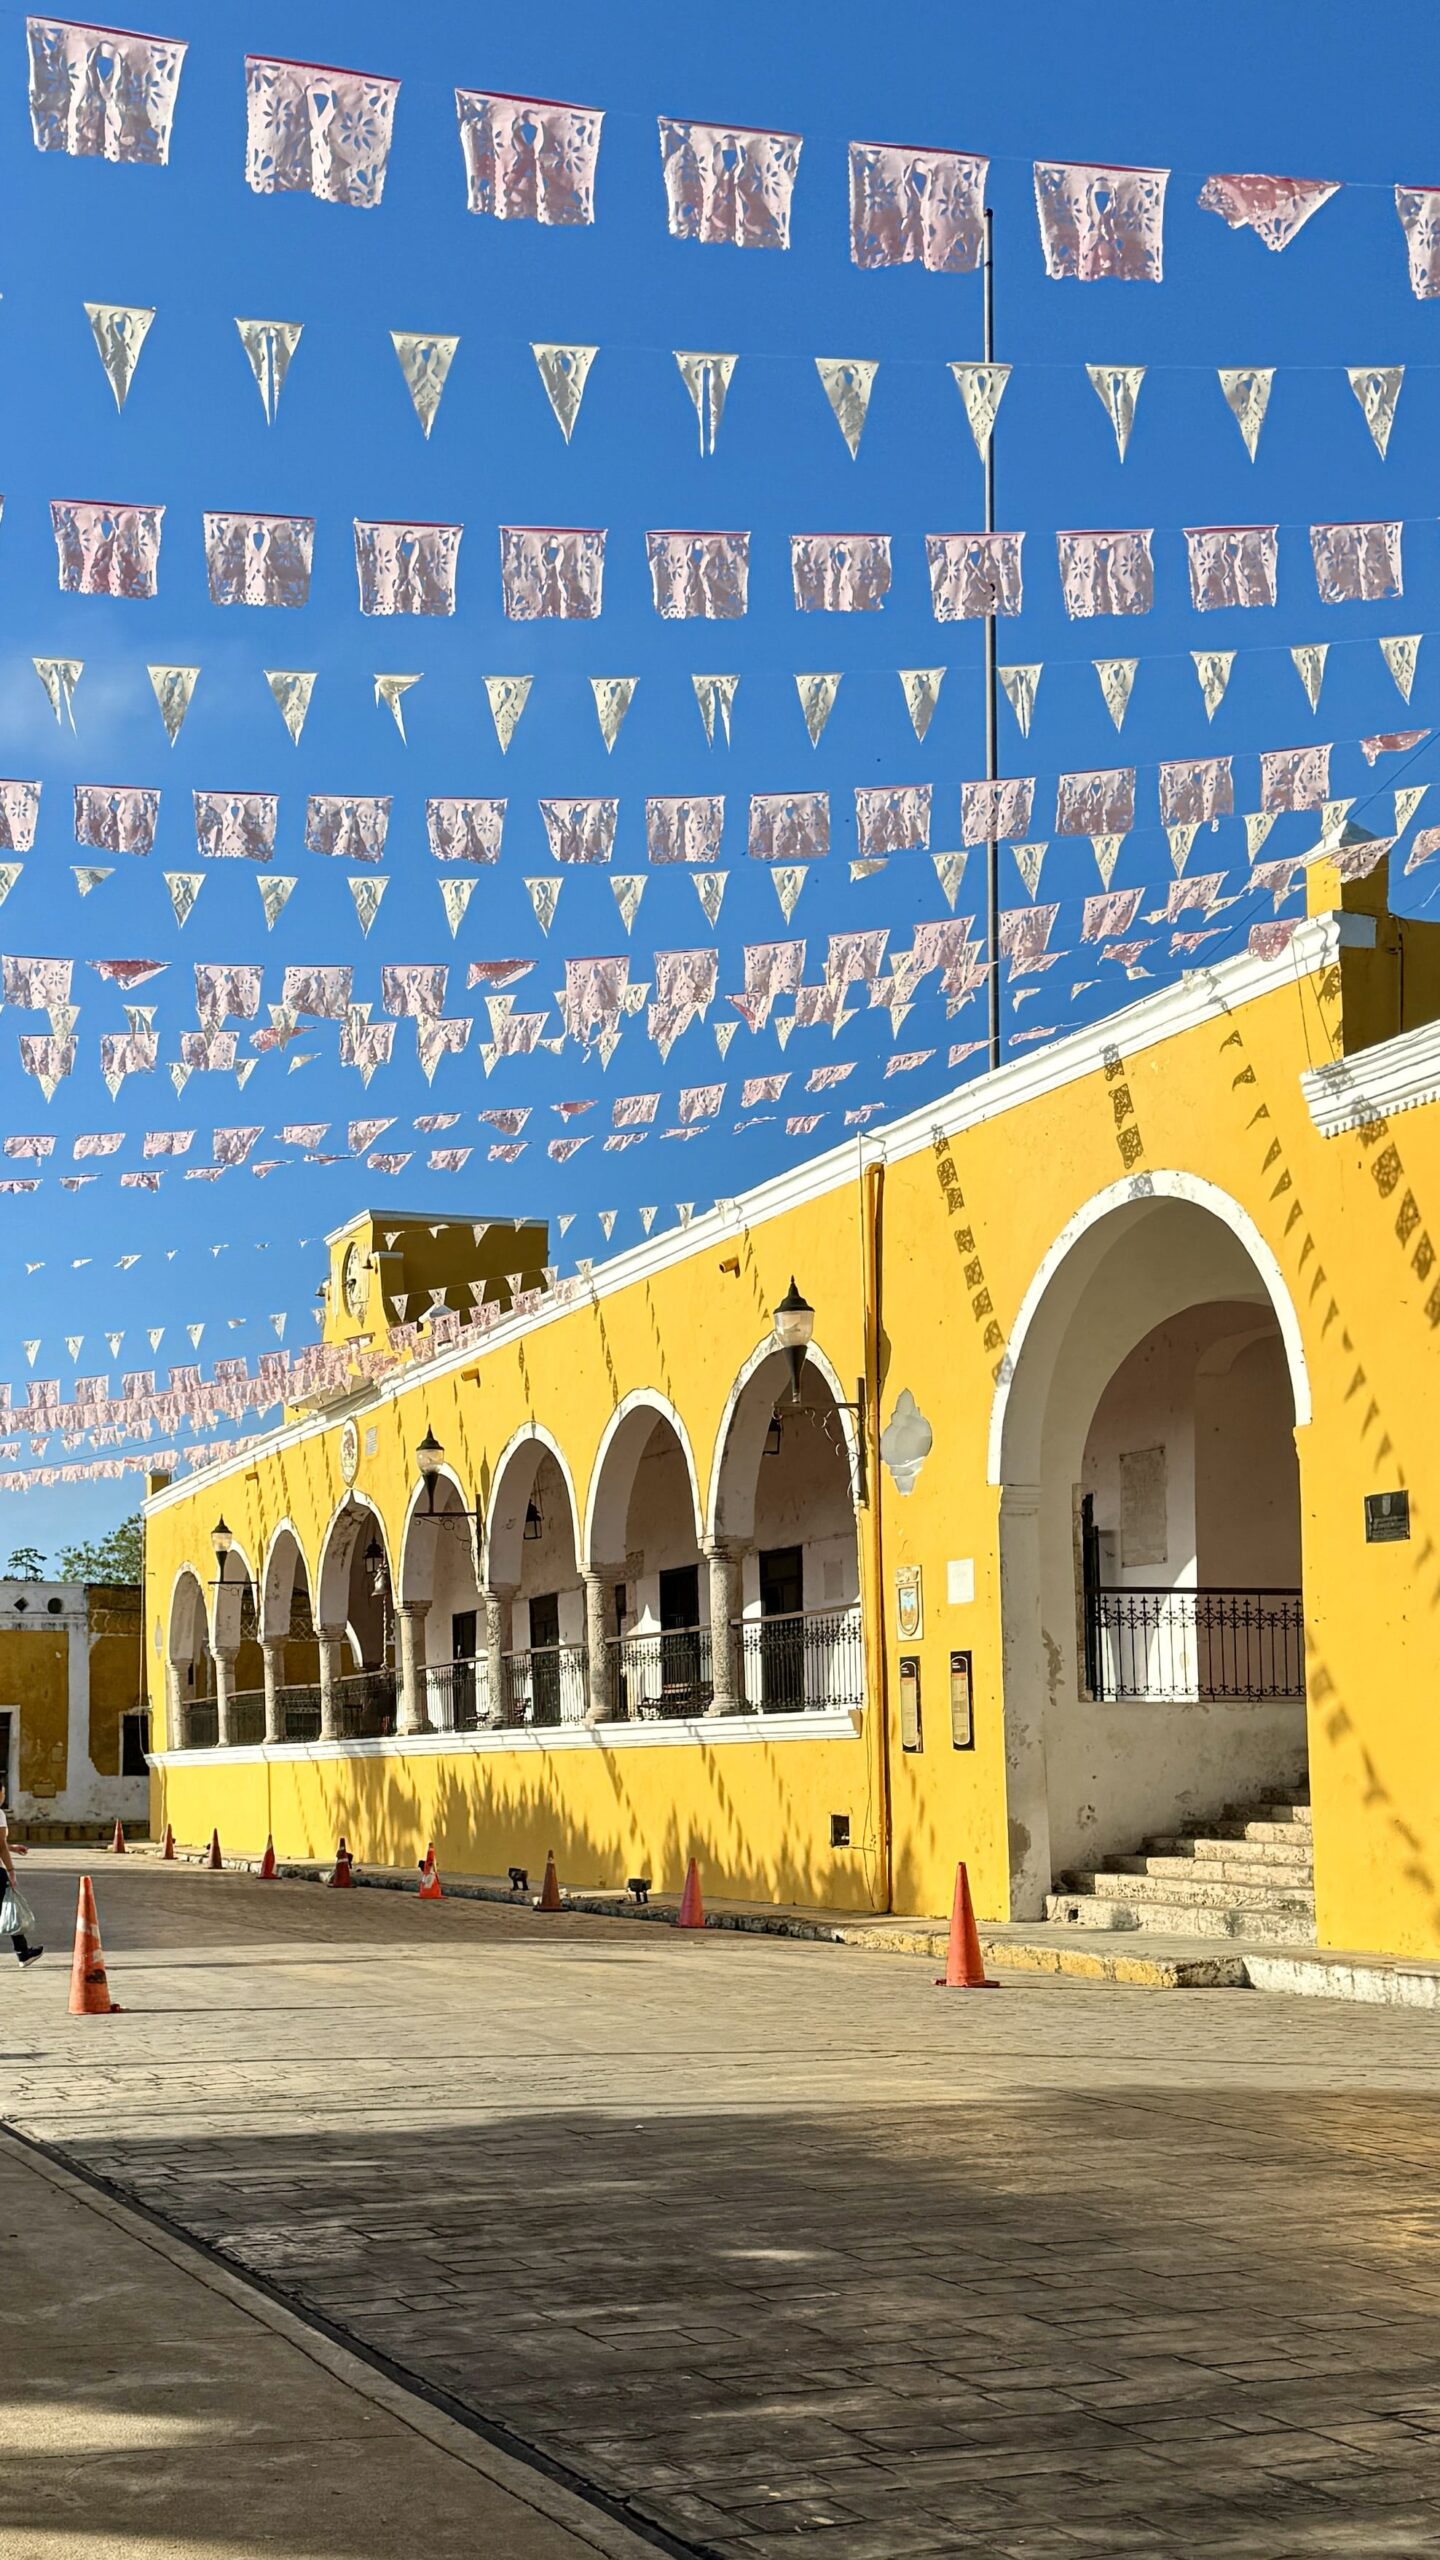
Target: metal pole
[{"x": 992, "y": 717}]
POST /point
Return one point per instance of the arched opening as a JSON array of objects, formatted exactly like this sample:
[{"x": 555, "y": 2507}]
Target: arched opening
[
  {"x": 1152, "y": 1619},
  {"x": 357, "y": 1610},
  {"x": 193, "y": 1717},
  {"x": 441, "y": 1599},
  {"x": 533, "y": 1574},
  {"x": 783, "y": 1505},
  {"x": 235, "y": 1648},
  {"x": 288, "y": 1636},
  {"x": 643, "y": 1540}
]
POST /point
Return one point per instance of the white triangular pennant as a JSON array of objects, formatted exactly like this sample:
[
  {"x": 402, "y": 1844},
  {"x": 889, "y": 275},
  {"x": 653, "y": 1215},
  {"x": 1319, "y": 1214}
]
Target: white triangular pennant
[
  {"x": 684, "y": 1211},
  {"x": 724, "y": 1034},
  {"x": 367, "y": 888},
  {"x": 1407, "y": 801},
  {"x": 629, "y": 889},
  {"x": 1258, "y": 823},
  {"x": 784, "y": 1025},
  {"x": 647, "y": 1220},
  {"x": 544, "y": 898},
  {"x": 507, "y": 697},
  {"x": 173, "y": 688},
  {"x": 564, "y": 372},
  {"x": 613, "y": 697},
  {"x": 184, "y": 888},
  {"x": 391, "y": 690},
  {"x": 1021, "y": 684},
  {"x": 120, "y": 331},
  {"x": 60, "y": 676},
  {"x": 425, "y": 363},
  {"x": 1400, "y": 656},
  {"x": 1028, "y": 860},
  {"x": 1181, "y": 839},
  {"x": 1247, "y": 393},
  {"x": 607, "y": 1219},
  {"x": 715, "y": 696},
  {"x": 1309, "y": 665},
  {"x": 1117, "y": 388},
  {"x": 455, "y": 897},
  {"x": 1377, "y": 388},
  {"x": 866, "y": 868},
  {"x": 921, "y": 688},
  {"x": 982, "y": 388},
  {"x": 787, "y": 880},
  {"x": 707, "y": 379},
  {"x": 269, "y": 344},
  {"x": 1212, "y": 670},
  {"x": 1117, "y": 677},
  {"x": 848, "y": 382},
  {"x": 710, "y": 890},
  {"x": 179, "y": 1075},
  {"x": 817, "y": 701},
  {"x": 273, "y": 894},
  {"x": 1106, "y": 850},
  {"x": 949, "y": 871},
  {"x": 88, "y": 876},
  {"x": 292, "y": 693}
]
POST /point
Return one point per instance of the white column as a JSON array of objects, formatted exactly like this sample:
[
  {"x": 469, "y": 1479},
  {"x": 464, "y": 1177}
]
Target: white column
[
  {"x": 177, "y": 1731},
  {"x": 498, "y": 1604},
  {"x": 410, "y": 1619},
  {"x": 223, "y": 1657},
  {"x": 331, "y": 1639},
  {"x": 600, "y": 1584},
  {"x": 725, "y": 1558},
  {"x": 272, "y": 1658}
]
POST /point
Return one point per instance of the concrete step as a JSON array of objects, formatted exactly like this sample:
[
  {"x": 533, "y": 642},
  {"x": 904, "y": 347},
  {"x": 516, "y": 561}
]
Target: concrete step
[
  {"x": 1272, "y": 1927},
  {"x": 1190, "y": 1893},
  {"x": 73, "y": 1835},
  {"x": 1234, "y": 1842},
  {"x": 1296, "y": 1877},
  {"x": 1286, "y": 1812}
]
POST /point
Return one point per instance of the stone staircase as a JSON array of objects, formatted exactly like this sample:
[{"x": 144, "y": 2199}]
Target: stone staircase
[{"x": 1250, "y": 1875}]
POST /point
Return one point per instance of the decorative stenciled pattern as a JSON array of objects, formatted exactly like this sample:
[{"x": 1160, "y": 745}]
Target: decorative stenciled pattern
[
  {"x": 354, "y": 828},
  {"x": 992, "y": 811},
  {"x": 19, "y": 815},
  {"x": 237, "y": 825},
  {"x": 580, "y": 830},
  {"x": 116, "y": 817},
  {"x": 407, "y": 568},
  {"x": 106, "y": 550},
  {"x": 974, "y": 574},
  {"x": 1273, "y": 208},
  {"x": 1419, "y": 212},
  {"x": 840, "y": 572},
  {"x": 916, "y": 208},
  {"x": 259, "y": 559},
  {"x": 1094, "y": 804},
  {"x": 465, "y": 830},
  {"x": 102, "y": 93},
  {"x": 728, "y": 183},
  {"x": 1097, "y": 221},
  {"x": 685, "y": 830},
  {"x": 1105, "y": 572},
  {"x": 1231, "y": 564},
  {"x": 892, "y": 820},
  {"x": 315, "y": 131},
  {"x": 552, "y": 571},
  {"x": 1294, "y": 778},
  {"x": 1191, "y": 793},
  {"x": 789, "y": 827},
  {"x": 701, "y": 576},
  {"x": 1356, "y": 563},
  {"x": 528, "y": 159}
]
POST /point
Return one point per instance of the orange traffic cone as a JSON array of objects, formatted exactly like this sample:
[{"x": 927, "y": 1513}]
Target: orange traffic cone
[
  {"x": 213, "y": 1857},
  {"x": 117, "y": 1845},
  {"x": 430, "y": 1877},
  {"x": 342, "y": 1875},
  {"x": 168, "y": 1849},
  {"x": 964, "y": 1964},
  {"x": 89, "y": 1990},
  {"x": 550, "y": 1889},
  {"x": 267, "y": 1863},
  {"x": 691, "y": 1914}
]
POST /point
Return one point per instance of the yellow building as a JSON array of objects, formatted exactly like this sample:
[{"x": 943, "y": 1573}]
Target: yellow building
[
  {"x": 1105, "y": 1500},
  {"x": 74, "y": 1731}
]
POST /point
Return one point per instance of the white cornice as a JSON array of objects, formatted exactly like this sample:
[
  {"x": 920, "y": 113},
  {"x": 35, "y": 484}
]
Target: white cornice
[
  {"x": 828, "y": 1724},
  {"x": 1396, "y": 1075},
  {"x": 1192, "y": 999}
]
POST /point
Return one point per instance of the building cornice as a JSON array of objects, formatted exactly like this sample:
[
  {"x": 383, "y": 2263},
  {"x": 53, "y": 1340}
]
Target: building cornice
[
  {"x": 1191, "y": 1000},
  {"x": 827, "y": 1724},
  {"x": 1396, "y": 1075}
]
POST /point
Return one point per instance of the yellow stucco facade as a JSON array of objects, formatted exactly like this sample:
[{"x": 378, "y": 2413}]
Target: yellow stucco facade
[
  {"x": 1022, "y": 1263},
  {"x": 72, "y": 1673}
]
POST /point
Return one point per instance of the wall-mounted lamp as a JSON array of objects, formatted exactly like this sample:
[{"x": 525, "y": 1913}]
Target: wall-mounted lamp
[
  {"x": 772, "y": 1437},
  {"x": 222, "y": 1539},
  {"x": 428, "y": 1456},
  {"x": 534, "y": 1524},
  {"x": 794, "y": 1323},
  {"x": 374, "y": 1562}
]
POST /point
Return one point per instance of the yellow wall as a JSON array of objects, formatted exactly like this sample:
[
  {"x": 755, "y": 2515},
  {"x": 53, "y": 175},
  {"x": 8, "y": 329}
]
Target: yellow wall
[
  {"x": 35, "y": 1677},
  {"x": 965, "y": 1222},
  {"x": 117, "y": 1671}
]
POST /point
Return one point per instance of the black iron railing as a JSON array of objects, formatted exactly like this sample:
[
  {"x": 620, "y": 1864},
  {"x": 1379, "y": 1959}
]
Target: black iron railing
[
  {"x": 802, "y": 1662},
  {"x": 300, "y": 1714},
  {"x": 247, "y": 1716},
  {"x": 201, "y": 1720},
  {"x": 364, "y": 1705},
  {"x": 664, "y": 1671},
  {"x": 547, "y": 1685},
  {"x": 1179, "y": 1645},
  {"x": 456, "y": 1695}
]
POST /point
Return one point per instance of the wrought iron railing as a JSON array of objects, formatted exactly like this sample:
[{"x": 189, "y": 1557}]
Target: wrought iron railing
[
  {"x": 201, "y": 1721},
  {"x": 247, "y": 1716},
  {"x": 364, "y": 1705},
  {"x": 1178, "y": 1645},
  {"x": 804, "y": 1661},
  {"x": 300, "y": 1714},
  {"x": 665, "y": 1671},
  {"x": 457, "y": 1696},
  {"x": 547, "y": 1685}
]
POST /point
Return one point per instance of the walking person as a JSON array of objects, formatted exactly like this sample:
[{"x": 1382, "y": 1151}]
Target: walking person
[{"x": 16, "y": 1915}]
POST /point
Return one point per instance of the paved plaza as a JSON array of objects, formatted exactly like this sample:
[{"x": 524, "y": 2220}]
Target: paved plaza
[{"x": 774, "y": 2244}]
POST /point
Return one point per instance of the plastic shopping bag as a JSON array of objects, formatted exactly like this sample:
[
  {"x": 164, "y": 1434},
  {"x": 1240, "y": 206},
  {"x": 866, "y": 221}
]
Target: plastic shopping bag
[{"x": 16, "y": 1917}]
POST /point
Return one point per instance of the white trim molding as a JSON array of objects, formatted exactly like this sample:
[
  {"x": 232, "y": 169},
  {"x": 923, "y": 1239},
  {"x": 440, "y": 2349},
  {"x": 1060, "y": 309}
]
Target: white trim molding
[
  {"x": 1396, "y": 1075},
  {"x": 824, "y": 1724}
]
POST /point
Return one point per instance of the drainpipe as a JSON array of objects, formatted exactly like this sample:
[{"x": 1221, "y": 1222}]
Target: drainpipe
[{"x": 872, "y": 1205}]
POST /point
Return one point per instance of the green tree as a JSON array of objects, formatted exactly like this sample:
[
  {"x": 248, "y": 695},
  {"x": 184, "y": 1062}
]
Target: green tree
[
  {"x": 118, "y": 1557},
  {"x": 26, "y": 1564}
]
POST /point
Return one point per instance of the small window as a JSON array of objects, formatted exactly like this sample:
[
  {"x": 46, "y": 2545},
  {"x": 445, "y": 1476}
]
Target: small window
[{"x": 839, "y": 1830}]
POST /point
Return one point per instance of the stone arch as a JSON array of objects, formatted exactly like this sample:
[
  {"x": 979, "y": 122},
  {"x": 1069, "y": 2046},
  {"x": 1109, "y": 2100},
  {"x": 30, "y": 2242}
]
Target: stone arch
[
  {"x": 511, "y": 1489},
  {"x": 421, "y": 1552},
  {"x": 228, "y": 1594},
  {"x": 353, "y": 1520},
  {"x": 761, "y": 1384},
  {"x": 285, "y": 1558},
  {"x": 1154, "y": 1289},
  {"x": 629, "y": 1434},
  {"x": 188, "y": 1629}
]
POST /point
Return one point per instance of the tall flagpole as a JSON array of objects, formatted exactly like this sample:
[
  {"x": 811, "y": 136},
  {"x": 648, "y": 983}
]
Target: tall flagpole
[{"x": 992, "y": 716}]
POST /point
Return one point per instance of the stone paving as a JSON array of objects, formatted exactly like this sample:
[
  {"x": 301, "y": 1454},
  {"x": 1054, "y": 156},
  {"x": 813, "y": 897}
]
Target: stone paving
[{"x": 773, "y": 2240}]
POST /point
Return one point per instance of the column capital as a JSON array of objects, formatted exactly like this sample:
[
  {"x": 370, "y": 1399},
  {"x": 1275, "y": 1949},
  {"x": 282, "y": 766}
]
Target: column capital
[
  {"x": 415, "y": 1610},
  {"x": 499, "y": 1590},
  {"x": 225, "y": 1653},
  {"x": 722, "y": 1549}
]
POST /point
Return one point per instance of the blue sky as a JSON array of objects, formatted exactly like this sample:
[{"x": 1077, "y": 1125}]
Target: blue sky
[{"x": 1323, "y": 92}]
